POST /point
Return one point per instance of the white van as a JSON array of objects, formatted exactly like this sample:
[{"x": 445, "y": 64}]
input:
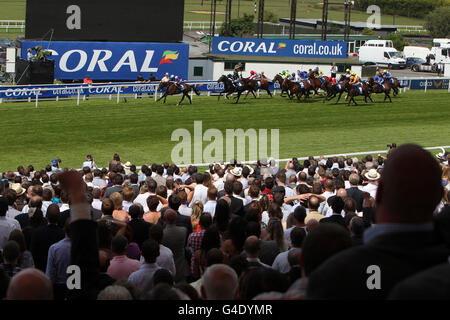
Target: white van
[
  {"x": 383, "y": 56},
  {"x": 439, "y": 42},
  {"x": 378, "y": 44},
  {"x": 416, "y": 52}
]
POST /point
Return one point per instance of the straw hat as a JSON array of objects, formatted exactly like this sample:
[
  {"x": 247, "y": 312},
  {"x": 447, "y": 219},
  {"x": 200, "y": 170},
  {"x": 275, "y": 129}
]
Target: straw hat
[
  {"x": 372, "y": 175},
  {"x": 18, "y": 189}
]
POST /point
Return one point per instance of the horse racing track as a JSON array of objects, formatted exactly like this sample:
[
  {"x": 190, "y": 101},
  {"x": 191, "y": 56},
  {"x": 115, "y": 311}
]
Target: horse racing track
[{"x": 140, "y": 130}]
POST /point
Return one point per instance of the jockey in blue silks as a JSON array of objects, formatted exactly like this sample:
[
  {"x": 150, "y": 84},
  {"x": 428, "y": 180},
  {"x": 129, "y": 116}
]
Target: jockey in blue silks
[{"x": 388, "y": 77}]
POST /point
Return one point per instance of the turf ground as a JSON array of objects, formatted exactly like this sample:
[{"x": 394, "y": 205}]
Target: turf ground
[{"x": 140, "y": 130}]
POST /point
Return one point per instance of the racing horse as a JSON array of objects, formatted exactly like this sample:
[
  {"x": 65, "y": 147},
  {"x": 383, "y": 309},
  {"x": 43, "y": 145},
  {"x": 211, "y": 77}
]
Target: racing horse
[
  {"x": 395, "y": 85},
  {"x": 263, "y": 84},
  {"x": 284, "y": 88},
  {"x": 337, "y": 88},
  {"x": 298, "y": 89},
  {"x": 354, "y": 91},
  {"x": 172, "y": 89},
  {"x": 380, "y": 88},
  {"x": 231, "y": 88}
]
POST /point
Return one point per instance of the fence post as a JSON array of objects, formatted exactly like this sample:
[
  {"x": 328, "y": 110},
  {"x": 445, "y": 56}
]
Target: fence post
[
  {"x": 118, "y": 94},
  {"x": 426, "y": 85},
  {"x": 37, "y": 99},
  {"x": 78, "y": 96},
  {"x": 156, "y": 93}
]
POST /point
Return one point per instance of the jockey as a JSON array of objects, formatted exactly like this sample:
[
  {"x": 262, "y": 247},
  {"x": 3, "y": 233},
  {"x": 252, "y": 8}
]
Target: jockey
[
  {"x": 253, "y": 75},
  {"x": 305, "y": 77},
  {"x": 354, "y": 79},
  {"x": 316, "y": 72},
  {"x": 177, "y": 81},
  {"x": 262, "y": 75},
  {"x": 347, "y": 73},
  {"x": 378, "y": 78},
  {"x": 285, "y": 74},
  {"x": 332, "y": 80},
  {"x": 387, "y": 76},
  {"x": 321, "y": 78},
  {"x": 165, "y": 78}
]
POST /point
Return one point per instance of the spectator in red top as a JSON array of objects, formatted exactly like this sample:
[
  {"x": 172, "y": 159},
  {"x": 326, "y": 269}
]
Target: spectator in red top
[{"x": 87, "y": 80}]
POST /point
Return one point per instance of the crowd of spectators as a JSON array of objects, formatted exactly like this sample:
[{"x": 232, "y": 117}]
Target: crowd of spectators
[{"x": 307, "y": 230}]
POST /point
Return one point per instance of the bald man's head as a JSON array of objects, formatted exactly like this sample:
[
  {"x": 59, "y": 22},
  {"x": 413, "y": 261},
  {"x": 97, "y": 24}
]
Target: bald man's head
[
  {"x": 220, "y": 282},
  {"x": 410, "y": 187},
  {"x": 30, "y": 284},
  {"x": 252, "y": 246},
  {"x": 170, "y": 216},
  {"x": 313, "y": 203},
  {"x": 341, "y": 193}
]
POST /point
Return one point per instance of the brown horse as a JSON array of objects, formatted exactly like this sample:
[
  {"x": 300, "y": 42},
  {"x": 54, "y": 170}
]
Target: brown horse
[
  {"x": 395, "y": 85},
  {"x": 284, "y": 88},
  {"x": 316, "y": 84},
  {"x": 172, "y": 89},
  {"x": 230, "y": 88},
  {"x": 263, "y": 84},
  {"x": 353, "y": 91},
  {"x": 377, "y": 88}
]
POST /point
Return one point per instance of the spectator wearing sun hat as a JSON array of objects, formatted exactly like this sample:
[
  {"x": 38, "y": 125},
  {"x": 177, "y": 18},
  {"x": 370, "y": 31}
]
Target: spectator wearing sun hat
[{"x": 372, "y": 176}]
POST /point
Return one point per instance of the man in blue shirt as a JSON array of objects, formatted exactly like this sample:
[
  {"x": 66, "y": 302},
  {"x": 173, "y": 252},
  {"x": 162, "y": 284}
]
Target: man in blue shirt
[
  {"x": 143, "y": 278},
  {"x": 59, "y": 258}
]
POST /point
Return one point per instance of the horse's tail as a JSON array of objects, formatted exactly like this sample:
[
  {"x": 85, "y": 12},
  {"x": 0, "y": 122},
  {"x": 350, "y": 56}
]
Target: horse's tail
[{"x": 194, "y": 88}]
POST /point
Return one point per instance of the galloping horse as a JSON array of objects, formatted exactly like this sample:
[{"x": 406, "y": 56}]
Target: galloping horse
[
  {"x": 337, "y": 88},
  {"x": 316, "y": 84},
  {"x": 353, "y": 91},
  {"x": 231, "y": 88},
  {"x": 283, "y": 85},
  {"x": 395, "y": 85},
  {"x": 377, "y": 88},
  {"x": 172, "y": 89},
  {"x": 263, "y": 84}
]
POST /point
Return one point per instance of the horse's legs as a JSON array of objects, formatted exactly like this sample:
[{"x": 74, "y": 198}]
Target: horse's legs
[
  {"x": 268, "y": 92},
  {"x": 339, "y": 98},
  {"x": 165, "y": 93},
  {"x": 253, "y": 93},
  {"x": 370, "y": 98},
  {"x": 238, "y": 95},
  {"x": 182, "y": 98}
]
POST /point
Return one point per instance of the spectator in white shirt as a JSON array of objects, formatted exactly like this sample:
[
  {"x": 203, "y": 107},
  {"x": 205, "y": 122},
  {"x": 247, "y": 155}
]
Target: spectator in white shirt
[
  {"x": 210, "y": 205},
  {"x": 47, "y": 195},
  {"x": 11, "y": 197},
  {"x": 6, "y": 224},
  {"x": 281, "y": 182},
  {"x": 184, "y": 209},
  {"x": 281, "y": 262},
  {"x": 128, "y": 194},
  {"x": 142, "y": 198},
  {"x": 219, "y": 183},
  {"x": 96, "y": 202},
  {"x": 201, "y": 189},
  {"x": 98, "y": 181},
  {"x": 372, "y": 176}
]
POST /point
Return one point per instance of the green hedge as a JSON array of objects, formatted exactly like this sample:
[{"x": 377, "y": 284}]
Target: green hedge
[{"x": 408, "y": 8}]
